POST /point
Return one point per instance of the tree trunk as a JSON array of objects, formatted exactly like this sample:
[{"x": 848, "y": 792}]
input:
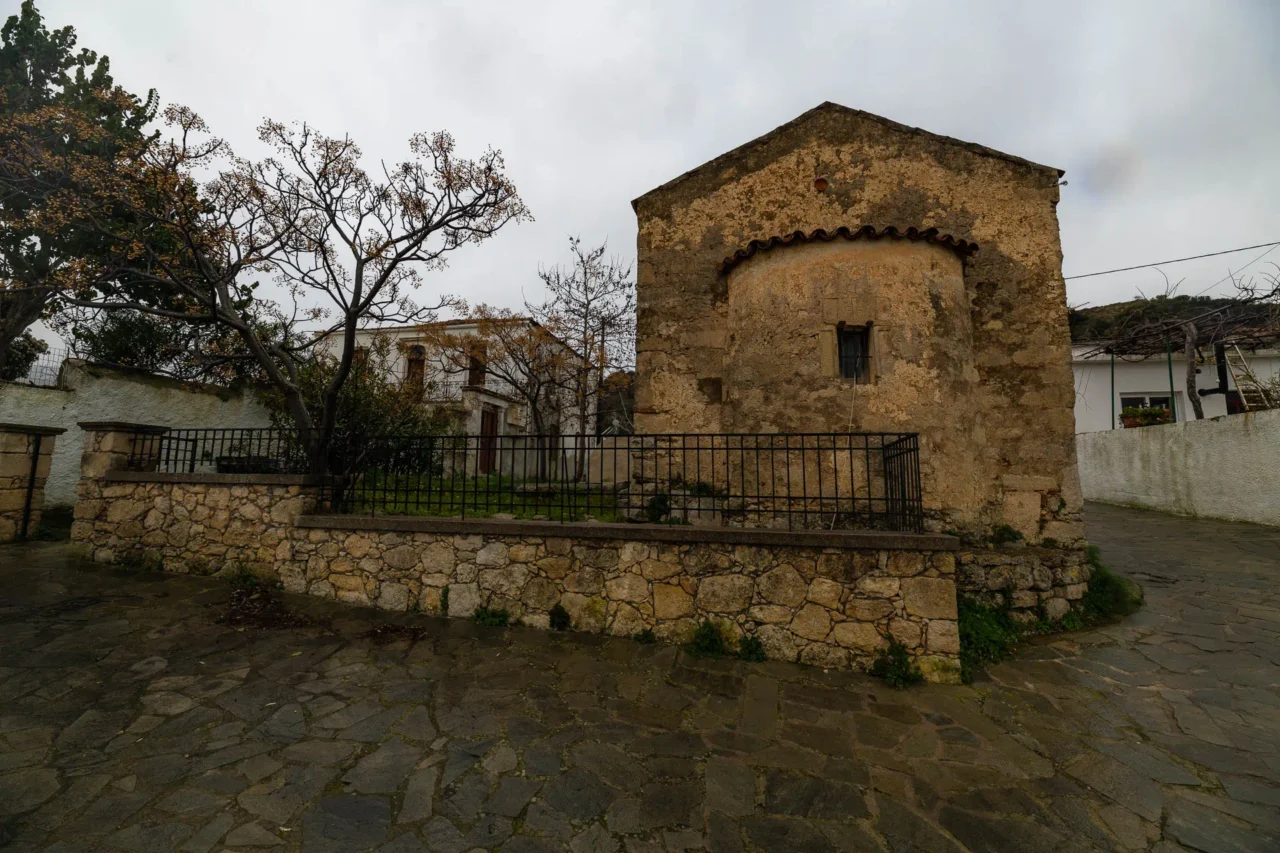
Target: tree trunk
[{"x": 1193, "y": 396}]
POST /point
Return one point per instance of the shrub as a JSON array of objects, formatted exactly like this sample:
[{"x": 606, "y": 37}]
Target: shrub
[
  {"x": 23, "y": 353},
  {"x": 708, "y": 641},
  {"x": 1005, "y": 534},
  {"x": 1110, "y": 596},
  {"x": 494, "y": 618},
  {"x": 444, "y": 601},
  {"x": 559, "y": 618},
  {"x": 751, "y": 649},
  {"x": 658, "y": 507},
  {"x": 647, "y": 637},
  {"x": 987, "y": 636},
  {"x": 896, "y": 666}
]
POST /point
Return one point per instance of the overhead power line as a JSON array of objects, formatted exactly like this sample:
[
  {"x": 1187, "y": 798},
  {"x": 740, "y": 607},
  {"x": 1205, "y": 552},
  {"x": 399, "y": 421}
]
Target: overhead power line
[{"x": 1174, "y": 261}]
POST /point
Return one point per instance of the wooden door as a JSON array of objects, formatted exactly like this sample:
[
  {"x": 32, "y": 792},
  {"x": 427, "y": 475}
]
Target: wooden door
[{"x": 488, "y": 440}]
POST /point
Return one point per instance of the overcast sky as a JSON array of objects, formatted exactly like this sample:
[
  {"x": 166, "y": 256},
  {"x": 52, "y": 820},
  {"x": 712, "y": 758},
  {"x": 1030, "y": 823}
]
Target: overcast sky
[{"x": 1165, "y": 115}]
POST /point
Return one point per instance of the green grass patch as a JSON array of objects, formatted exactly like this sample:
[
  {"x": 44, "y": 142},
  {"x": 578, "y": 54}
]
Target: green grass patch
[
  {"x": 1004, "y": 534},
  {"x": 493, "y": 618},
  {"x": 989, "y": 635},
  {"x": 480, "y": 497},
  {"x": 751, "y": 649},
  {"x": 55, "y": 525},
  {"x": 708, "y": 641},
  {"x": 896, "y": 666},
  {"x": 1110, "y": 596}
]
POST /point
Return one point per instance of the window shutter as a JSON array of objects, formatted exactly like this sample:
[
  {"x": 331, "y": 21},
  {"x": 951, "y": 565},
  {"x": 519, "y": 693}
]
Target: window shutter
[{"x": 827, "y": 355}]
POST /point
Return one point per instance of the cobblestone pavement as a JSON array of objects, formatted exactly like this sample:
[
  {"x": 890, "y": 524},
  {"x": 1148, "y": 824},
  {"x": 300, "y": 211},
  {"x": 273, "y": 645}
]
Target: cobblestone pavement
[{"x": 131, "y": 720}]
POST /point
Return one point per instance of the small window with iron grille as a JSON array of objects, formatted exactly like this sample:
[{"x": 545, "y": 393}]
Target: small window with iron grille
[{"x": 855, "y": 353}]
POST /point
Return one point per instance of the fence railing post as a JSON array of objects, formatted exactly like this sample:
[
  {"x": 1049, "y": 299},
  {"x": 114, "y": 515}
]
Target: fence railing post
[{"x": 26, "y": 458}]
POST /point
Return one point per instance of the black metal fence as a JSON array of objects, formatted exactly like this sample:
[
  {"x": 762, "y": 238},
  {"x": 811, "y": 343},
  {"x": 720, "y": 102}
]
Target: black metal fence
[
  {"x": 44, "y": 371},
  {"x": 795, "y": 481},
  {"x": 222, "y": 451}
]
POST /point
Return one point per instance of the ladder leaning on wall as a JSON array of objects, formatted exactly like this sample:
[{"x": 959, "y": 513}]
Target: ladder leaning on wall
[{"x": 1253, "y": 395}]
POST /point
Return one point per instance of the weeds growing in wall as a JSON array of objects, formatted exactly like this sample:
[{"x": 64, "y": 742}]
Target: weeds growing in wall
[
  {"x": 896, "y": 666},
  {"x": 493, "y": 618},
  {"x": 988, "y": 635}
]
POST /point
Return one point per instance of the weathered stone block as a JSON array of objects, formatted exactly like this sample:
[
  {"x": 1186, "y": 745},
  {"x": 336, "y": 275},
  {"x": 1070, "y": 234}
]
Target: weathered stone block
[
  {"x": 783, "y": 585},
  {"x": 932, "y": 598},
  {"x": 812, "y": 622},
  {"x": 393, "y": 596},
  {"x": 492, "y": 555},
  {"x": 826, "y": 592},
  {"x": 586, "y": 613},
  {"x": 656, "y": 570},
  {"x": 554, "y": 567},
  {"x": 629, "y": 587},
  {"x": 867, "y": 609},
  {"x": 906, "y": 632},
  {"x": 508, "y": 581},
  {"x": 876, "y": 587},
  {"x": 942, "y": 637},
  {"x": 825, "y": 655},
  {"x": 857, "y": 635},
  {"x": 1056, "y": 608},
  {"x": 585, "y": 580},
  {"x": 770, "y": 613},
  {"x": 464, "y": 598},
  {"x": 725, "y": 593},
  {"x": 541, "y": 593},
  {"x": 402, "y": 557},
  {"x": 906, "y": 563},
  {"x": 671, "y": 601}
]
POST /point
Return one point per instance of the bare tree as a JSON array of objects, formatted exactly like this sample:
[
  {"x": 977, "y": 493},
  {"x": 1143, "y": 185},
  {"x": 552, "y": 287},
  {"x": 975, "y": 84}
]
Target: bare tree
[
  {"x": 346, "y": 249},
  {"x": 523, "y": 355},
  {"x": 591, "y": 306},
  {"x": 1249, "y": 320}
]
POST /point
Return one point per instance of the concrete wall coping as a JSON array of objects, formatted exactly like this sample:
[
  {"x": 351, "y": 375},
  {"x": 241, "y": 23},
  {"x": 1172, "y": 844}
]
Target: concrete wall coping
[
  {"x": 214, "y": 479},
  {"x": 691, "y": 534},
  {"x": 28, "y": 429},
  {"x": 120, "y": 426}
]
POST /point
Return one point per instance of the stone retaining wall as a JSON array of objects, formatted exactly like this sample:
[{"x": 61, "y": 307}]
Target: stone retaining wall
[
  {"x": 807, "y": 600},
  {"x": 21, "y": 446},
  {"x": 1033, "y": 582}
]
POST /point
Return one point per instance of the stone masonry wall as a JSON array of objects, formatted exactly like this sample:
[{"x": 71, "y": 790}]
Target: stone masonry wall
[
  {"x": 1032, "y": 582},
  {"x": 17, "y": 447},
  {"x": 974, "y": 355},
  {"x": 832, "y": 607}
]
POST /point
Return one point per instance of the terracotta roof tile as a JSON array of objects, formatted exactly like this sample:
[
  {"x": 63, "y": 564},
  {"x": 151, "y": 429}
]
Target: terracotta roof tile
[{"x": 962, "y": 248}]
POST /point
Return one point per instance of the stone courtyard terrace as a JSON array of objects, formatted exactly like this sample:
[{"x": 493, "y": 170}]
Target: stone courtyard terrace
[{"x": 131, "y": 720}]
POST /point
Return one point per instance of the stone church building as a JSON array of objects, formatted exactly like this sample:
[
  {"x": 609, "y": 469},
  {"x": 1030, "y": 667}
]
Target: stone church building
[{"x": 845, "y": 273}]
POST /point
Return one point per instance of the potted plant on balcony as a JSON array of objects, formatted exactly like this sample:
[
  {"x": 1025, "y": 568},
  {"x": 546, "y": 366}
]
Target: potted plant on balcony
[{"x": 1139, "y": 416}]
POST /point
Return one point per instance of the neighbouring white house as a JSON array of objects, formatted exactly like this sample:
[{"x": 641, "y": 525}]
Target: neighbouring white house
[
  {"x": 485, "y": 402},
  {"x": 1105, "y": 386}
]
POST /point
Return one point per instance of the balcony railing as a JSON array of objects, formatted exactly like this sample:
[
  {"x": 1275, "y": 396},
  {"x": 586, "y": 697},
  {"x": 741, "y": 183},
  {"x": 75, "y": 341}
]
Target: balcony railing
[{"x": 810, "y": 481}]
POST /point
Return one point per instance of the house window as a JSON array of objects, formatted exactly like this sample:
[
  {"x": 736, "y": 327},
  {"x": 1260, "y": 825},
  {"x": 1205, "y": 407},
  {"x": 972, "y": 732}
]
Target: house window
[
  {"x": 855, "y": 353},
  {"x": 1145, "y": 401},
  {"x": 415, "y": 374},
  {"x": 475, "y": 371}
]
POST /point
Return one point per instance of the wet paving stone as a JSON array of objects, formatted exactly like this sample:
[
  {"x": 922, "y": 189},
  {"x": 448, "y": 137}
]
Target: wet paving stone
[{"x": 130, "y": 719}]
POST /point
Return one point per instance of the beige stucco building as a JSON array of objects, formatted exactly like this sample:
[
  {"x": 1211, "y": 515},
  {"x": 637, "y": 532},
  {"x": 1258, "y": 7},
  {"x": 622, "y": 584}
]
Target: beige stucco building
[{"x": 845, "y": 273}]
